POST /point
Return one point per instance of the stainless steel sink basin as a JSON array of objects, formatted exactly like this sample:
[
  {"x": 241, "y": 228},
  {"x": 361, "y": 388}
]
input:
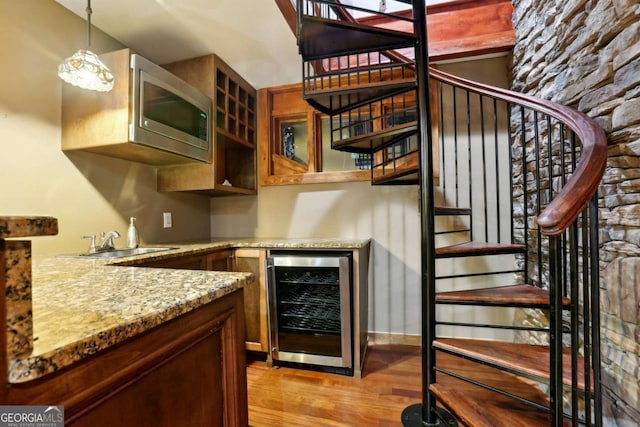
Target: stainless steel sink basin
[{"x": 117, "y": 253}]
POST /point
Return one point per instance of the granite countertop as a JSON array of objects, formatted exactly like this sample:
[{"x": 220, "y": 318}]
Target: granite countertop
[
  {"x": 183, "y": 249},
  {"x": 83, "y": 306}
]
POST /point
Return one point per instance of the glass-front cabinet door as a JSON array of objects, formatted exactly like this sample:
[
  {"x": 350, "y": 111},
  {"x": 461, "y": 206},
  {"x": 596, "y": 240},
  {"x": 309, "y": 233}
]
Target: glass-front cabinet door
[
  {"x": 296, "y": 150},
  {"x": 296, "y": 146},
  {"x": 291, "y": 153},
  {"x": 340, "y": 161}
]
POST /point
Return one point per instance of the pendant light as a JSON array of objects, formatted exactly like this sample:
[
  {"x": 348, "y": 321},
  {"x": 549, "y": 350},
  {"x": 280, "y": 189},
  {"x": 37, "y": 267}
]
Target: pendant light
[{"x": 84, "y": 69}]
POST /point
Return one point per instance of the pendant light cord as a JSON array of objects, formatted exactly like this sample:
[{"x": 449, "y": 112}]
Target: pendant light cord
[{"x": 89, "y": 11}]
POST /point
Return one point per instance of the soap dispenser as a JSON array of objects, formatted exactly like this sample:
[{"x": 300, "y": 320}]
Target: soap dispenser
[{"x": 132, "y": 234}]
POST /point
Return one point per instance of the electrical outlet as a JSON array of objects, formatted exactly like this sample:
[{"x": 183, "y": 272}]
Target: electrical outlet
[{"x": 167, "y": 220}]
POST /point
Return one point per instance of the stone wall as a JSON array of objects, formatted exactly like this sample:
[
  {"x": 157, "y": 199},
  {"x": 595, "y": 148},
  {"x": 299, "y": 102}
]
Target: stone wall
[{"x": 586, "y": 54}]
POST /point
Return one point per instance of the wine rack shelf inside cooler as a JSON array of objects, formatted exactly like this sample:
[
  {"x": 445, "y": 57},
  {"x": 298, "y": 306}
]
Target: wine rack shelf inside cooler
[{"x": 311, "y": 309}]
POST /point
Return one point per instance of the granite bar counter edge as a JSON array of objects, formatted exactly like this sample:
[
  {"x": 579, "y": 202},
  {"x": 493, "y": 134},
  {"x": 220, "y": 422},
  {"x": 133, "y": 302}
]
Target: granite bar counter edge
[{"x": 81, "y": 307}]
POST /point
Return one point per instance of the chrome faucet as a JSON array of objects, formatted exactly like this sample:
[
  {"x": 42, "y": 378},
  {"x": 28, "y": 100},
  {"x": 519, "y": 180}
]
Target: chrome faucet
[
  {"x": 92, "y": 247},
  {"x": 106, "y": 241},
  {"x": 105, "y": 244}
]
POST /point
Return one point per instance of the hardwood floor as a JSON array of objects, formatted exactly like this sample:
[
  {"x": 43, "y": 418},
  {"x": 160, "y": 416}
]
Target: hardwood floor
[{"x": 390, "y": 382}]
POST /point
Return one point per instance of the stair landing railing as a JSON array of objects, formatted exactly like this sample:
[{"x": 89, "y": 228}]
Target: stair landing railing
[{"x": 530, "y": 170}]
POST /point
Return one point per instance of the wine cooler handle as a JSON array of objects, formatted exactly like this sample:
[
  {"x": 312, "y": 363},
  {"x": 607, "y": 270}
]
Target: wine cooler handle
[{"x": 272, "y": 327}]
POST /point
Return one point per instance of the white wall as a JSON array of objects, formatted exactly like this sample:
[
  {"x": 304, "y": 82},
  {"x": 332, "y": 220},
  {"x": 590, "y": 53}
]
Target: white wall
[{"x": 87, "y": 193}]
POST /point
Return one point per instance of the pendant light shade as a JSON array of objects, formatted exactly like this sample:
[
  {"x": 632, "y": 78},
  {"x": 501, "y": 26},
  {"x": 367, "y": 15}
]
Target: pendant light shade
[{"x": 84, "y": 69}]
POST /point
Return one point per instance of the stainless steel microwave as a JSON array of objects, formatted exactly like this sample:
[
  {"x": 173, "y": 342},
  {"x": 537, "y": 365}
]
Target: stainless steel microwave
[{"x": 167, "y": 113}]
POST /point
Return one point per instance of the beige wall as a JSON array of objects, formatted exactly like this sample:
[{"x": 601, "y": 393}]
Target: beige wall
[
  {"x": 387, "y": 214},
  {"x": 87, "y": 193}
]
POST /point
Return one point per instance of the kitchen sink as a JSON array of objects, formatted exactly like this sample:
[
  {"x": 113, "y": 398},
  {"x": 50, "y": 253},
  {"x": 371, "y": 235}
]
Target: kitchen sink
[{"x": 117, "y": 253}]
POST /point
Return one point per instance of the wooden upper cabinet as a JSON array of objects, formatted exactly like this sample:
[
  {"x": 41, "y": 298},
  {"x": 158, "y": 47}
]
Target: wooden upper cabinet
[
  {"x": 233, "y": 170},
  {"x": 99, "y": 122},
  {"x": 295, "y": 145}
]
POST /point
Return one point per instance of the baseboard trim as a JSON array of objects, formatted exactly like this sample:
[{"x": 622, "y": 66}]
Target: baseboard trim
[{"x": 384, "y": 338}]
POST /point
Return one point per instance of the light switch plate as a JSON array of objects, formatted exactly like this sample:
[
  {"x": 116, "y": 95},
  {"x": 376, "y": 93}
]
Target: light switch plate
[{"x": 167, "y": 219}]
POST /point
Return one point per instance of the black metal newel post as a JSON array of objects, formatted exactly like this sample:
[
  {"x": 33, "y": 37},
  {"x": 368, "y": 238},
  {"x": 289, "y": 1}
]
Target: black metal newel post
[
  {"x": 555, "y": 330},
  {"x": 424, "y": 414}
]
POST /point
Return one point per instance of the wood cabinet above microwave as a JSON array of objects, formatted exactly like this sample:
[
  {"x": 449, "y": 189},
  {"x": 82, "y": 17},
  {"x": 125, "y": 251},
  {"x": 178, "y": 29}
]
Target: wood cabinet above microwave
[
  {"x": 151, "y": 116},
  {"x": 233, "y": 167}
]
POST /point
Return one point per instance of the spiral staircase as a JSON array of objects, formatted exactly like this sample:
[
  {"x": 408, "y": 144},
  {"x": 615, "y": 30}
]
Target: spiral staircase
[{"x": 509, "y": 219}]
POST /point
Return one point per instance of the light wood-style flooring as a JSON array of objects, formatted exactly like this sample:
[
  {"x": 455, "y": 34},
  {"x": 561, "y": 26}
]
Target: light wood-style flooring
[{"x": 285, "y": 397}]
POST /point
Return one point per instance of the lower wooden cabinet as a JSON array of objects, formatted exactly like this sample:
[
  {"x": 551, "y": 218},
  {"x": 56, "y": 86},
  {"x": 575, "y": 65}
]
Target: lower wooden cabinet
[
  {"x": 189, "y": 371},
  {"x": 169, "y": 395},
  {"x": 255, "y": 298},
  {"x": 189, "y": 262},
  {"x": 219, "y": 261},
  {"x": 250, "y": 260}
]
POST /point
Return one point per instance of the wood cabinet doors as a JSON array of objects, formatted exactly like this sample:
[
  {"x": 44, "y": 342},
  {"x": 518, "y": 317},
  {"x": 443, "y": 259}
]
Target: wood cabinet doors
[{"x": 255, "y": 298}]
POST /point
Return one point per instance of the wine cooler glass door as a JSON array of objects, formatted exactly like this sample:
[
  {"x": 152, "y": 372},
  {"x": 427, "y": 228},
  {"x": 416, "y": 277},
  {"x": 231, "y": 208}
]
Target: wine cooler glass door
[{"x": 310, "y": 309}]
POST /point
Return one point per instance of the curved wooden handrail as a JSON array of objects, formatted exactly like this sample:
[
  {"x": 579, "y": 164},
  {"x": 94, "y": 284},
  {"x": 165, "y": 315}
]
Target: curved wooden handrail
[
  {"x": 583, "y": 183},
  {"x": 556, "y": 217}
]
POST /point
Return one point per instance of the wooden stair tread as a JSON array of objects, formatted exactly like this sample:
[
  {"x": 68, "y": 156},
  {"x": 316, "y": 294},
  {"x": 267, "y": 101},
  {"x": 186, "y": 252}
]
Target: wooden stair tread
[
  {"x": 322, "y": 38},
  {"x": 507, "y": 296},
  {"x": 478, "y": 248},
  {"x": 338, "y": 99},
  {"x": 404, "y": 178},
  {"x": 404, "y": 171},
  {"x": 376, "y": 140},
  {"x": 355, "y": 88},
  {"x": 483, "y": 408},
  {"x": 525, "y": 359},
  {"x": 451, "y": 210},
  {"x": 479, "y": 407}
]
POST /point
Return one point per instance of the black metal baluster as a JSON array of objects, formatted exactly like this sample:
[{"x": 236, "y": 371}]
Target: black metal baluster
[
  {"x": 555, "y": 329},
  {"x": 586, "y": 280},
  {"x": 536, "y": 178},
  {"x": 469, "y": 167},
  {"x": 484, "y": 171},
  {"x": 575, "y": 305},
  {"x": 595, "y": 310},
  {"x": 497, "y": 169},
  {"x": 443, "y": 174},
  {"x": 456, "y": 167},
  {"x": 525, "y": 191}
]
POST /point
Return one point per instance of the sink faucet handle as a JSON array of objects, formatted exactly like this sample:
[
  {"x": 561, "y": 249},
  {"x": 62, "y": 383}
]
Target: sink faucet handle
[
  {"x": 92, "y": 247},
  {"x": 106, "y": 240}
]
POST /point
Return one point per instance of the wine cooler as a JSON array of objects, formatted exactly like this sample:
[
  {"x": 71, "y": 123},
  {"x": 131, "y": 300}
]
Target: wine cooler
[{"x": 310, "y": 304}]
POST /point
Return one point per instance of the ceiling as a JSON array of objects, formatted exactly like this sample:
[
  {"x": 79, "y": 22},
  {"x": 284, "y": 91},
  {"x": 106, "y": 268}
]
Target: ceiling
[{"x": 250, "y": 35}]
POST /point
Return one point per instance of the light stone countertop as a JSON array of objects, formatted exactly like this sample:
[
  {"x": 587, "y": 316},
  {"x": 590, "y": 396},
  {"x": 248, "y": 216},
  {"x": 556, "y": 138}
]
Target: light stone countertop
[{"x": 83, "y": 306}]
